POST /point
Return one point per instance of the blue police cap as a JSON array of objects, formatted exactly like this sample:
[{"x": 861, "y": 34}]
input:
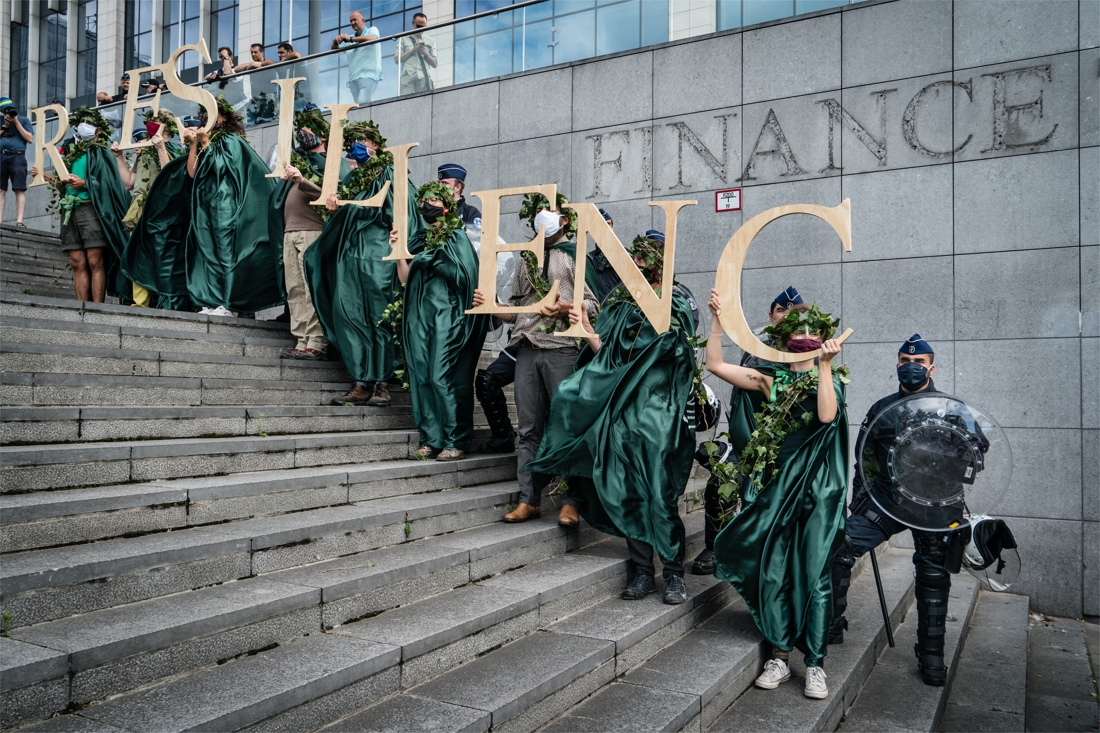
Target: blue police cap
[
  {"x": 605, "y": 215},
  {"x": 190, "y": 121},
  {"x": 788, "y": 298},
  {"x": 916, "y": 345},
  {"x": 654, "y": 234},
  {"x": 140, "y": 133},
  {"x": 125, "y": 77},
  {"x": 452, "y": 170}
]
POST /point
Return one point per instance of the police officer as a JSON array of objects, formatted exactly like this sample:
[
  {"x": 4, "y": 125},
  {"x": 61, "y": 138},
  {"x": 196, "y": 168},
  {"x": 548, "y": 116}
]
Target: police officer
[
  {"x": 453, "y": 176},
  {"x": 936, "y": 555},
  {"x": 777, "y": 311},
  {"x": 606, "y": 277}
]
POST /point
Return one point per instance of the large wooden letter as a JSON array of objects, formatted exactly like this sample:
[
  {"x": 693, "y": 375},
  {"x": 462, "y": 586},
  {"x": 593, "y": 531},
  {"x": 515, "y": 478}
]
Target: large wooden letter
[
  {"x": 657, "y": 308},
  {"x": 179, "y": 89},
  {"x": 728, "y": 280},
  {"x": 487, "y": 264},
  {"x": 50, "y": 147},
  {"x": 400, "y": 154},
  {"x": 286, "y": 125}
]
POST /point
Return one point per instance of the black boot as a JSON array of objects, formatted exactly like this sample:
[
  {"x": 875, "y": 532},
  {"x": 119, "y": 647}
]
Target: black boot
[
  {"x": 933, "y": 589},
  {"x": 704, "y": 563},
  {"x": 842, "y": 578},
  {"x": 490, "y": 394}
]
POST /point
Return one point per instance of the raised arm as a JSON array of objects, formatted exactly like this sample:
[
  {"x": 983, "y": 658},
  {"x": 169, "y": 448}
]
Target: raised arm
[
  {"x": 741, "y": 377},
  {"x": 826, "y": 395},
  {"x": 124, "y": 172},
  {"x": 192, "y": 152}
]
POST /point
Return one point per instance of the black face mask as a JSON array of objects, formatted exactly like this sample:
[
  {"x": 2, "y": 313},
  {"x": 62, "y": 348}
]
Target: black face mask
[
  {"x": 912, "y": 375},
  {"x": 307, "y": 140},
  {"x": 431, "y": 213}
]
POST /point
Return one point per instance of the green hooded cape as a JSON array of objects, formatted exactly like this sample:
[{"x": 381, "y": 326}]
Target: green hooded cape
[
  {"x": 231, "y": 258},
  {"x": 351, "y": 285},
  {"x": 442, "y": 344},
  {"x": 617, "y": 428},
  {"x": 110, "y": 199},
  {"x": 155, "y": 257},
  {"x": 778, "y": 551}
]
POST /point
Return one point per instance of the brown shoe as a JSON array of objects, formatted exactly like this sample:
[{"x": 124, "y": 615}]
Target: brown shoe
[
  {"x": 451, "y": 454},
  {"x": 568, "y": 516},
  {"x": 523, "y": 513},
  {"x": 381, "y": 396},
  {"x": 425, "y": 452},
  {"x": 289, "y": 353},
  {"x": 357, "y": 396}
]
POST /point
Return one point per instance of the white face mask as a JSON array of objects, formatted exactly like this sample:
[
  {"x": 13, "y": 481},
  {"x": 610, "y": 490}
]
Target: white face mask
[
  {"x": 85, "y": 131},
  {"x": 549, "y": 219}
]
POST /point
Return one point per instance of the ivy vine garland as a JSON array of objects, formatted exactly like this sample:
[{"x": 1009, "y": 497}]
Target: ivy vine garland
[
  {"x": 436, "y": 236},
  {"x": 532, "y": 202},
  {"x": 811, "y": 321},
  {"x": 314, "y": 120},
  {"x": 364, "y": 176}
]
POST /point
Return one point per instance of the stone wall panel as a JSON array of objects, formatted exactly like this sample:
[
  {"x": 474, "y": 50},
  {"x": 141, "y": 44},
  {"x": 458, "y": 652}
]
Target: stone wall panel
[
  {"x": 773, "y": 72},
  {"x": 992, "y": 31},
  {"x": 898, "y": 214},
  {"x": 878, "y": 43}
]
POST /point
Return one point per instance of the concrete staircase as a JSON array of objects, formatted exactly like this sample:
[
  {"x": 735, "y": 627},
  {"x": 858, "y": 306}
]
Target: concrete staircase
[
  {"x": 32, "y": 263},
  {"x": 193, "y": 538}
]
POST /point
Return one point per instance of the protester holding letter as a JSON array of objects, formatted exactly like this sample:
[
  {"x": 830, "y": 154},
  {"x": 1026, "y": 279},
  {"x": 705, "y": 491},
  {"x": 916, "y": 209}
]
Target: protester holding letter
[
  {"x": 792, "y": 481},
  {"x": 351, "y": 284},
  {"x": 617, "y": 429},
  {"x": 441, "y": 343},
  {"x": 92, "y": 202},
  {"x": 148, "y": 163},
  {"x": 232, "y": 263},
  {"x": 300, "y": 223}
]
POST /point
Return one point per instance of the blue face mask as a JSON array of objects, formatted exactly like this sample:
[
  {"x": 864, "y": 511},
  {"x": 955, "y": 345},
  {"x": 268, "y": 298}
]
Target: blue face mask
[
  {"x": 360, "y": 153},
  {"x": 912, "y": 375}
]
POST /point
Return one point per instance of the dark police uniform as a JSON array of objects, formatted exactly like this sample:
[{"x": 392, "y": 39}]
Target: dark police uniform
[
  {"x": 468, "y": 213},
  {"x": 936, "y": 554}
]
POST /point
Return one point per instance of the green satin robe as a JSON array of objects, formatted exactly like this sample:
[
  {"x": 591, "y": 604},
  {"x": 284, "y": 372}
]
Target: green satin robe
[
  {"x": 351, "y": 285},
  {"x": 110, "y": 199},
  {"x": 231, "y": 258},
  {"x": 155, "y": 257},
  {"x": 441, "y": 343},
  {"x": 617, "y": 428},
  {"x": 777, "y": 553}
]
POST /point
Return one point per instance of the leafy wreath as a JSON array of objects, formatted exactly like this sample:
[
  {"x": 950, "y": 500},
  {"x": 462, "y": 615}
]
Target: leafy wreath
[
  {"x": 233, "y": 124},
  {"x": 366, "y": 174},
  {"x": 532, "y": 202},
  {"x": 804, "y": 321},
  {"x": 436, "y": 236},
  {"x": 91, "y": 116},
  {"x": 147, "y": 158},
  {"x": 314, "y": 120}
]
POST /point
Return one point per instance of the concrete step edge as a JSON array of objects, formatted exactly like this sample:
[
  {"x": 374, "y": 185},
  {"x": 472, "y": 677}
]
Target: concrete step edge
[{"x": 43, "y": 324}]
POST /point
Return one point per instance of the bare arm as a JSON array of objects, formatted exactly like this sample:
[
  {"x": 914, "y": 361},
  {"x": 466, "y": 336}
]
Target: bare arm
[
  {"x": 741, "y": 377},
  {"x": 402, "y": 265},
  {"x": 826, "y": 395},
  {"x": 22, "y": 132},
  {"x": 192, "y": 152},
  {"x": 124, "y": 172},
  {"x": 162, "y": 151}
]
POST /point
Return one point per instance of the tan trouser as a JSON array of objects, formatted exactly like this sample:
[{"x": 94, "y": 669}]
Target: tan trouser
[{"x": 303, "y": 318}]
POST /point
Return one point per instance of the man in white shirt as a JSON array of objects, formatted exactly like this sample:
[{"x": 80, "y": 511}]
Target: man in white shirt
[{"x": 364, "y": 64}]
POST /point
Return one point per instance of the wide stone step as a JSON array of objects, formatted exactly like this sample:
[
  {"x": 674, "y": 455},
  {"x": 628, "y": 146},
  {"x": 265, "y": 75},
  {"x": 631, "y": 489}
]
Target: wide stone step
[
  {"x": 847, "y": 665},
  {"x": 989, "y": 687},
  {"x": 25, "y": 252},
  {"x": 115, "y": 390},
  {"x": 44, "y": 585},
  {"x": 58, "y": 292},
  {"x": 35, "y": 468},
  {"x": 894, "y": 697},
  {"x": 55, "y": 309},
  {"x": 66, "y": 517},
  {"x": 28, "y": 266},
  {"x": 75, "y": 333},
  {"x": 11, "y": 233},
  {"x": 119, "y": 649}
]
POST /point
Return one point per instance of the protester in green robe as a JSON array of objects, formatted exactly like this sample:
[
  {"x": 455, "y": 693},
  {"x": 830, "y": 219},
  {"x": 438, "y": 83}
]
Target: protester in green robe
[
  {"x": 351, "y": 285},
  {"x": 441, "y": 343},
  {"x": 139, "y": 178},
  {"x": 792, "y": 477},
  {"x": 156, "y": 255},
  {"x": 619, "y": 431},
  {"x": 233, "y": 265},
  {"x": 92, "y": 202}
]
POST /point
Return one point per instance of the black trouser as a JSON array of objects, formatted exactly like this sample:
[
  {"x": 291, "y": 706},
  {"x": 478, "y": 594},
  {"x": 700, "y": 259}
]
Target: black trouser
[
  {"x": 642, "y": 555},
  {"x": 489, "y": 387},
  {"x": 712, "y": 509},
  {"x": 865, "y": 531}
]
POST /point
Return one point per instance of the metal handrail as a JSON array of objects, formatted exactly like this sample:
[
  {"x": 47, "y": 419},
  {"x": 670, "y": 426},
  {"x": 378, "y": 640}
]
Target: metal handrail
[{"x": 368, "y": 44}]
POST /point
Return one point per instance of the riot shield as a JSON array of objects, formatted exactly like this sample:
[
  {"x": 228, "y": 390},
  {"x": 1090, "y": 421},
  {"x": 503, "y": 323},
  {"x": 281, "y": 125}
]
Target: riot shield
[{"x": 929, "y": 460}]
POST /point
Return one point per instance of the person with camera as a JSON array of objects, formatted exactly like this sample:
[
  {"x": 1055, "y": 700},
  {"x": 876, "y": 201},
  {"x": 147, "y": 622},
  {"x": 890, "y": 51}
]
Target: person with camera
[
  {"x": 415, "y": 54},
  {"x": 15, "y": 132}
]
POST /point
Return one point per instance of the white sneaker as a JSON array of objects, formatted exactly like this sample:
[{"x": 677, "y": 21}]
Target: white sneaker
[
  {"x": 775, "y": 672},
  {"x": 219, "y": 311},
  {"x": 815, "y": 683}
]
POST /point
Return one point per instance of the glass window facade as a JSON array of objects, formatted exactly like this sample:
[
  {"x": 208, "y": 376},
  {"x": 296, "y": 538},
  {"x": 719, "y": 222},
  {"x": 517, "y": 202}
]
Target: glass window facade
[
  {"x": 553, "y": 32},
  {"x": 87, "y": 17},
  {"x": 180, "y": 26},
  {"x": 737, "y": 13},
  {"x": 138, "y": 48},
  {"x": 20, "y": 52},
  {"x": 53, "y": 33},
  {"x": 310, "y": 25},
  {"x": 223, "y": 28}
]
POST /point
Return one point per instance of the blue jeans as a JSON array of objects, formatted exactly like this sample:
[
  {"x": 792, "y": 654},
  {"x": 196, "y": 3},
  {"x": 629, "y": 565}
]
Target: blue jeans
[{"x": 362, "y": 89}]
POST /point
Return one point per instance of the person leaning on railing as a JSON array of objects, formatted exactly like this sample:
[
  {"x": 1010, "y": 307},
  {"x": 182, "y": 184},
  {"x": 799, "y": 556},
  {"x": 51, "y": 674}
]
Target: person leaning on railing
[{"x": 365, "y": 64}]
